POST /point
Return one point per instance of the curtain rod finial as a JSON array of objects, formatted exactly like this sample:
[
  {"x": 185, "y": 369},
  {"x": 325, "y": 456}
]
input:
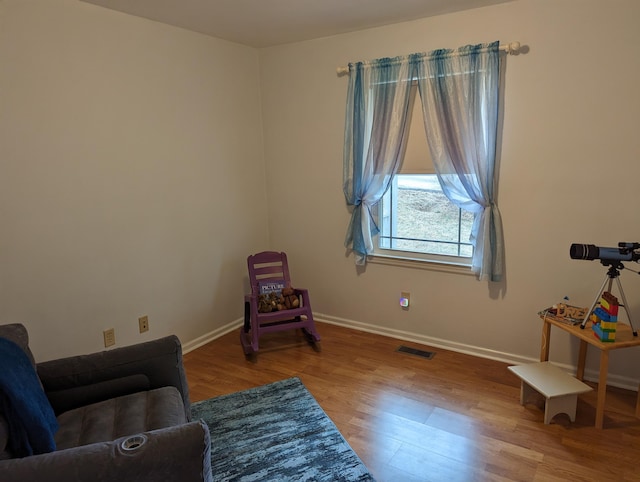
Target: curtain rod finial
[
  {"x": 342, "y": 71},
  {"x": 513, "y": 48}
]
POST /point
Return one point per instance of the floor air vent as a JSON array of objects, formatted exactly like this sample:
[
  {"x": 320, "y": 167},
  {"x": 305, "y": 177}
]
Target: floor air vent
[{"x": 414, "y": 351}]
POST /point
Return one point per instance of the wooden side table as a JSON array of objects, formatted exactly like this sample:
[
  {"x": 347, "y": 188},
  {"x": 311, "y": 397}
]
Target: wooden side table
[{"x": 624, "y": 339}]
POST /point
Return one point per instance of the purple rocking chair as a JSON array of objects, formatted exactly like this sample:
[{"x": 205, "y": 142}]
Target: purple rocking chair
[{"x": 269, "y": 272}]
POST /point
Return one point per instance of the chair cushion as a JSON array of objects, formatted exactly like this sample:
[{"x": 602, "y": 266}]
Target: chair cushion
[{"x": 119, "y": 417}]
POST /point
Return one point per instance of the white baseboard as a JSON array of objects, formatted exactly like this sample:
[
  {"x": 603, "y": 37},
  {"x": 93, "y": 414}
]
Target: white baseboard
[
  {"x": 212, "y": 335},
  {"x": 424, "y": 340},
  {"x": 511, "y": 358}
]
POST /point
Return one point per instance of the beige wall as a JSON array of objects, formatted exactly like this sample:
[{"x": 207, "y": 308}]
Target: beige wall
[
  {"x": 133, "y": 159},
  {"x": 131, "y": 176},
  {"x": 569, "y": 173}
]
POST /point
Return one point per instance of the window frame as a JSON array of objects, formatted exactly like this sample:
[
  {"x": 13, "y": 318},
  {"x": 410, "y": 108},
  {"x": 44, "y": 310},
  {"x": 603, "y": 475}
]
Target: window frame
[{"x": 423, "y": 264}]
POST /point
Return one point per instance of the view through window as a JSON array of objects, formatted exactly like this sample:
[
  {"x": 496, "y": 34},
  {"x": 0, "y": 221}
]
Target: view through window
[{"x": 416, "y": 217}]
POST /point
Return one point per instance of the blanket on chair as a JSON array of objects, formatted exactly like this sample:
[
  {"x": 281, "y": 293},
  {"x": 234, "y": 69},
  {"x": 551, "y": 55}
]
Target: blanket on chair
[{"x": 32, "y": 422}]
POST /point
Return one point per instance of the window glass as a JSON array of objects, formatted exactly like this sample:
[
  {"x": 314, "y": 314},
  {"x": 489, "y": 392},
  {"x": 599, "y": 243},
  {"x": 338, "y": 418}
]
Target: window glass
[{"x": 416, "y": 218}]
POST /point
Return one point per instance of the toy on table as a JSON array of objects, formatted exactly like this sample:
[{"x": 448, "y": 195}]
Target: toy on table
[{"x": 604, "y": 318}]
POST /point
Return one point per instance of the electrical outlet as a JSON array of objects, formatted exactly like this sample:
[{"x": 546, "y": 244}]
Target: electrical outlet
[
  {"x": 109, "y": 337},
  {"x": 143, "y": 321},
  {"x": 405, "y": 300}
]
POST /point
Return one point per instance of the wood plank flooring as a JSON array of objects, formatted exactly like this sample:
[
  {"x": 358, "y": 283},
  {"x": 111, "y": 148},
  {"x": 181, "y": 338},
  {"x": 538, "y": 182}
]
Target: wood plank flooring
[{"x": 452, "y": 418}]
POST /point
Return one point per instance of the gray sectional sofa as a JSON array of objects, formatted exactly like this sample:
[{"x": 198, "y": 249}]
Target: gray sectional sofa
[{"x": 118, "y": 415}]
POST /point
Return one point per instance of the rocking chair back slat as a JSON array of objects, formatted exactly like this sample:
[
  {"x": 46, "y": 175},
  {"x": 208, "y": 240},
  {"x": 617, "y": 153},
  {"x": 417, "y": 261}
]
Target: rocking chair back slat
[{"x": 267, "y": 266}]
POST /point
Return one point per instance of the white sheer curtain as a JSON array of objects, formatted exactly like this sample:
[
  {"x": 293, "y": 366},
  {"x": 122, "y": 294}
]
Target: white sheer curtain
[
  {"x": 460, "y": 94},
  {"x": 379, "y": 103}
]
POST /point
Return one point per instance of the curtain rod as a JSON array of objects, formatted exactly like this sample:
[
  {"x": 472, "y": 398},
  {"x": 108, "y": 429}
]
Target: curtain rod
[{"x": 512, "y": 48}]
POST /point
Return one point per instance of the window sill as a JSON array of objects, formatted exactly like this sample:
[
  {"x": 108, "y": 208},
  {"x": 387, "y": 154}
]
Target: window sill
[{"x": 421, "y": 264}]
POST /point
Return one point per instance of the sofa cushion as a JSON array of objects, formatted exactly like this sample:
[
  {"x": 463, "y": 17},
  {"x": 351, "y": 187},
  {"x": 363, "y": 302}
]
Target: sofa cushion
[
  {"x": 159, "y": 360},
  {"x": 18, "y": 334},
  {"x": 119, "y": 417},
  {"x": 70, "y": 398}
]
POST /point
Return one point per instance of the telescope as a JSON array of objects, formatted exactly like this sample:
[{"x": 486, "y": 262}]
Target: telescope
[
  {"x": 612, "y": 257},
  {"x": 624, "y": 252}
]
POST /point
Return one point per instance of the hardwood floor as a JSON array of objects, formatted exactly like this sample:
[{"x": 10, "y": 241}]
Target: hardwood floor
[{"x": 455, "y": 417}]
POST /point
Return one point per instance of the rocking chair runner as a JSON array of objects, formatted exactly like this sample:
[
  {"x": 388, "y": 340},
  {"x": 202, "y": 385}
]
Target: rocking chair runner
[{"x": 265, "y": 268}]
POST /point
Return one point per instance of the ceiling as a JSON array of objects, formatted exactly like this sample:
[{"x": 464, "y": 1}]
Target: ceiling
[{"x": 264, "y": 23}]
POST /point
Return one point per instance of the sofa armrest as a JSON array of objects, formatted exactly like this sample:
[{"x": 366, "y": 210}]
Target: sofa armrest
[
  {"x": 160, "y": 361},
  {"x": 182, "y": 452}
]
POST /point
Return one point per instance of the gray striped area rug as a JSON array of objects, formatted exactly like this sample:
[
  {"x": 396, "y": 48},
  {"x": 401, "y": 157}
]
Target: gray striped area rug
[{"x": 276, "y": 432}]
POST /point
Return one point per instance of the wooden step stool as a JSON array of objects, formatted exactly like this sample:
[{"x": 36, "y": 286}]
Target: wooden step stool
[{"x": 558, "y": 387}]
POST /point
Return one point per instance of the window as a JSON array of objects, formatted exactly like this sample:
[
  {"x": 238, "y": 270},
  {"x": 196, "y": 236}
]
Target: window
[
  {"x": 416, "y": 219},
  {"x": 462, "y": 109}
]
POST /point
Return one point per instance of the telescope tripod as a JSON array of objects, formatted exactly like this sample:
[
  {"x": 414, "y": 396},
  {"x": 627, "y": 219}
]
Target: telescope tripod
[{"x": 612, "y": 273}]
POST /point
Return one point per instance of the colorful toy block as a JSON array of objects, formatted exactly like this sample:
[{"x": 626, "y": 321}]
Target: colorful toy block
[
  {"x": 603, "y": 335},
  {"x": 609, "y": 298},
  {"x": 604, "y": 318},
  {"x": 604, "y": 315},
  {"x": 609, "y": 306}
]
